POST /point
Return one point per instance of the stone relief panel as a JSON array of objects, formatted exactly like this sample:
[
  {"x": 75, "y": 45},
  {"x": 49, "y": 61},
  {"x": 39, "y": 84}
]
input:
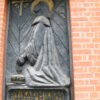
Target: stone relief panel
[{"x": 37, "y": 45}]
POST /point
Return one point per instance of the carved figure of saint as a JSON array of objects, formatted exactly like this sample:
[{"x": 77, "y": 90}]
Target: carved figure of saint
[{"x": 46, "y": 56}]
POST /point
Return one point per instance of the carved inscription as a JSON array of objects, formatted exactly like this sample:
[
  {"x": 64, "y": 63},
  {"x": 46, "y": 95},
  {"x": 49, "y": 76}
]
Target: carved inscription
[{"x": 37, "y": 95}]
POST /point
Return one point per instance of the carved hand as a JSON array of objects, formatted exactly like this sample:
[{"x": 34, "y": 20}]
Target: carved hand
[
  {"x": 31, "y": 59},
  {"x": 21, "y": 59},
  {"x": 26, "y": 57}
]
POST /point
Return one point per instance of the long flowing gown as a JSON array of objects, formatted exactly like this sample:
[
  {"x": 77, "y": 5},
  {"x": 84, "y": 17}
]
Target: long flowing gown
[{"x": 47, "y": 70}]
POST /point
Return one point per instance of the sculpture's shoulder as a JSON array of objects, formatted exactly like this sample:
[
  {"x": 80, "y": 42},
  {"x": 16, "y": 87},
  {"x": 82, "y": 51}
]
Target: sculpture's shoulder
[{"x": 41, "y": 19}]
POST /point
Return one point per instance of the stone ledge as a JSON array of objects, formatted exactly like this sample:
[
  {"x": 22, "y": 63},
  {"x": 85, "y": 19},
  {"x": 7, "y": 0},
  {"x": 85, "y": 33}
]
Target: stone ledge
[{"x": 12, "y": 86}]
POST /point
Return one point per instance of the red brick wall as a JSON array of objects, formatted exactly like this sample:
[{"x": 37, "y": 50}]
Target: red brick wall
[
  {"x": 85, "y": 31},
  {"x": 85, "y": 27},
  {"x": 3, "y": 12}
]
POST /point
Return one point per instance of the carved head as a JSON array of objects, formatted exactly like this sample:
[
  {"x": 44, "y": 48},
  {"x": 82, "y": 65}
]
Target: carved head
[{"x": 49, "y": 3}]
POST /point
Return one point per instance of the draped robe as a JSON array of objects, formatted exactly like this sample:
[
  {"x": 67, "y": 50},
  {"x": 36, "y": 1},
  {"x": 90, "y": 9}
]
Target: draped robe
[{"x": 45, "y": 68}]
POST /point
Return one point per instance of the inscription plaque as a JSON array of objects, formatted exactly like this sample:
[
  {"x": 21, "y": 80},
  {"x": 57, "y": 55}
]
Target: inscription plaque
[{"x": 37, "y": 95}]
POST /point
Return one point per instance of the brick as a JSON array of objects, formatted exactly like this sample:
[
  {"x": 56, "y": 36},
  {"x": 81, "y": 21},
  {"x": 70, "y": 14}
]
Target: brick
[{"x": 85, "y": 19}]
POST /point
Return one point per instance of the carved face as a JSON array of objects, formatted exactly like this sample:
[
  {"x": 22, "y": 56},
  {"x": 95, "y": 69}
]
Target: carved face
[
  {"x": 49, "y": 3},
  {"x": 42, "y": 10}
]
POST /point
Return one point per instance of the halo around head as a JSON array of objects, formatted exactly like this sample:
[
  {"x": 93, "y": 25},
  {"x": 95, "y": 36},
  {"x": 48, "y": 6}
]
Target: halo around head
[{"x": 49, "y": 3}]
